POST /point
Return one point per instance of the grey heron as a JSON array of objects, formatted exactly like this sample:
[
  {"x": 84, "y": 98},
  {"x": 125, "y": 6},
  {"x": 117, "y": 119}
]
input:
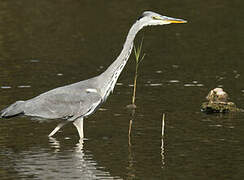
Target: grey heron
[{"x": 76, "y": 101}]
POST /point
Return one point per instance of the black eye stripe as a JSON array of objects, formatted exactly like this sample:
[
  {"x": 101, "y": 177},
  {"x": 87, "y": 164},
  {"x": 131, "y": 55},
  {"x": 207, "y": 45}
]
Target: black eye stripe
[{"x": 140, "y": 17}]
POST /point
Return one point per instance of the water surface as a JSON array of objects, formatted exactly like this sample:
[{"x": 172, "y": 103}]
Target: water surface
[{"x": 46, "y": 44}]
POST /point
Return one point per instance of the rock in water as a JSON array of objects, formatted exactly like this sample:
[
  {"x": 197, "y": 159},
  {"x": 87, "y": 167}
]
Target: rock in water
[{"x": 218, "y": 103}]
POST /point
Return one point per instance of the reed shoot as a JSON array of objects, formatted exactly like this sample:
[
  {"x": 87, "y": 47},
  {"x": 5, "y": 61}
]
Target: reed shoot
[{"x": 139, "y": 57}]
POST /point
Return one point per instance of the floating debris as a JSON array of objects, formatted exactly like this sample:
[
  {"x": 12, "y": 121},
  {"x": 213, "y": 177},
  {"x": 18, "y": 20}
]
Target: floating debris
[
  {"x": 59, "y": 74},
  {"x": 218, "y": 103}
]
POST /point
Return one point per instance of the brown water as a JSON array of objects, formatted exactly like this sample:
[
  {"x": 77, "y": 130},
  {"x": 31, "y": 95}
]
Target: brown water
[{"x": 46, "y": 44}]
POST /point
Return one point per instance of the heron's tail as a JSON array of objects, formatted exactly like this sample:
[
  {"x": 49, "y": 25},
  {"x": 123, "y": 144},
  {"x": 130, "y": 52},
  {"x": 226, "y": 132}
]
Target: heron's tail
[{"x": 13, "y": 110}]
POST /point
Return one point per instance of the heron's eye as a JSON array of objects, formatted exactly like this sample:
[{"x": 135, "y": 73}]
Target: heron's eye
[{"x": 156, "y": 18}]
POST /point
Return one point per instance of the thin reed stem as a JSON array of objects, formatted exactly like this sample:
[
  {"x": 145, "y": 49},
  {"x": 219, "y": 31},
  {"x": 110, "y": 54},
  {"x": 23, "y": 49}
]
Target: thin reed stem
[
  {"x": 129, "y": 134},
  {"x": 163, "y": 124},
  {"x": 134, "y": 90}
]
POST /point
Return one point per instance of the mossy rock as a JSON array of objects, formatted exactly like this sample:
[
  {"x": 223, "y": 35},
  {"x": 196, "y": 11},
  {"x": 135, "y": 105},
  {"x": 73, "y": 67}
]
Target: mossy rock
[{"x": 219, "y": 107}]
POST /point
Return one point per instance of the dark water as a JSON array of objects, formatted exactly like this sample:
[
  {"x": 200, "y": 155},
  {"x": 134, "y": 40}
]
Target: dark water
[{"x": 46, "y": 44}]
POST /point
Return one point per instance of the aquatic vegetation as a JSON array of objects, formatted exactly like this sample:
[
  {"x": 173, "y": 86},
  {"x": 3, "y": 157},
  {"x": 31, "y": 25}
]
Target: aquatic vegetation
[{"x": 138, "y": 57}]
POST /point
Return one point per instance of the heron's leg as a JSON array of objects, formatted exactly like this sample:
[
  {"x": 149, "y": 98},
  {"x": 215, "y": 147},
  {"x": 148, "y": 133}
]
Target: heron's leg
[
  {"x": 78, "y": 123},
  {"x": 57, "y": 128}
]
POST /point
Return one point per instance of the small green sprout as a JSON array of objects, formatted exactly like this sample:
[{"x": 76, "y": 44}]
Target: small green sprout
[{"x": 139, "y": 59}]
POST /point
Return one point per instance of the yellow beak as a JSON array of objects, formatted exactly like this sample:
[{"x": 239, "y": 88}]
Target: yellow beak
[
  {"x": 177, "y": 21},
  {"x": 173, "y": 20}
]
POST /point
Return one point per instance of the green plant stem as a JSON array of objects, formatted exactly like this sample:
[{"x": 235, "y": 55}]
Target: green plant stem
[
  {"x": 135, "y": 80},
  {"x": 139, "y": 59}
]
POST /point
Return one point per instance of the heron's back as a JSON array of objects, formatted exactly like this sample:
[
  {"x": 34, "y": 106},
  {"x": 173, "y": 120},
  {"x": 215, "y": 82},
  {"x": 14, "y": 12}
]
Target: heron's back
[{"x": 63, "y": 102}]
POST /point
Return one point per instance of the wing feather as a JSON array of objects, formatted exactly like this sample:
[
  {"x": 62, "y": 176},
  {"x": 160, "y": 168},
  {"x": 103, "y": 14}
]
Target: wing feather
[{"x": 61, "y": 103}]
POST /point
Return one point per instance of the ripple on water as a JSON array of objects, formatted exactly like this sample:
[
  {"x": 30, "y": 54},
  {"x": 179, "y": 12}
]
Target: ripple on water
[
  {"x": 174, "y": 81},
  {"x": 159, "y": 72},
  {"x": 34, "y": 60},
  {"x": 193, "y": 85},
  {"x": 5, "y": 87},
  {"x": 59, "y": 165},
  {"x": 215, "y": 125},
  {"x": 155, "y": 84},
  {"x": 119, "y": 84},
  {"x": 24, "y": 86},
  {"x": 189, "y": 85}
]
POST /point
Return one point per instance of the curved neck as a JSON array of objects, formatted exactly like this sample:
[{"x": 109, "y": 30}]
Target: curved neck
[
  {"x": 110, "y": 76},
  {"x": 126, "y": 51}
]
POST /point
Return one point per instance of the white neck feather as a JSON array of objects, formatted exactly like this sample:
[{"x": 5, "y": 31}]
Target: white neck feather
[{"x": 110, "y": 76}]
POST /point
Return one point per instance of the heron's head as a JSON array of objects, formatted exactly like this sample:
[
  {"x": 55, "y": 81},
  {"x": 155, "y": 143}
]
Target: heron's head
[{"x": 149, "y": 18}]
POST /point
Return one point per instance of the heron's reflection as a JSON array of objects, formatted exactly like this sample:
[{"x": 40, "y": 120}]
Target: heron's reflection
[
  {"x": 131, "y": 168},
  {"x": 131, "y": 157},
  {"x": 162, "y": 140},
  {"x": 80, "y": 145},
  {"x": 43, "y": 163},
  {"x": 55, "y": 144},
  {"x": 162, "y": 152}
]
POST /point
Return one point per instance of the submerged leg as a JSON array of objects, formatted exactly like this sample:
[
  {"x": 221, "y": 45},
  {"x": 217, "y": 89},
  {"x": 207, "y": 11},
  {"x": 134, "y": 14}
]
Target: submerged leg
[
  {"x": 57, "y": 128},
  {"x": 78, "y": 123}
]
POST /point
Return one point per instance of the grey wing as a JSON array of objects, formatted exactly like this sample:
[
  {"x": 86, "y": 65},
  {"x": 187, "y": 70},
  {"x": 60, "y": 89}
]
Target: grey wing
[{"x": 63, "y": 104}]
